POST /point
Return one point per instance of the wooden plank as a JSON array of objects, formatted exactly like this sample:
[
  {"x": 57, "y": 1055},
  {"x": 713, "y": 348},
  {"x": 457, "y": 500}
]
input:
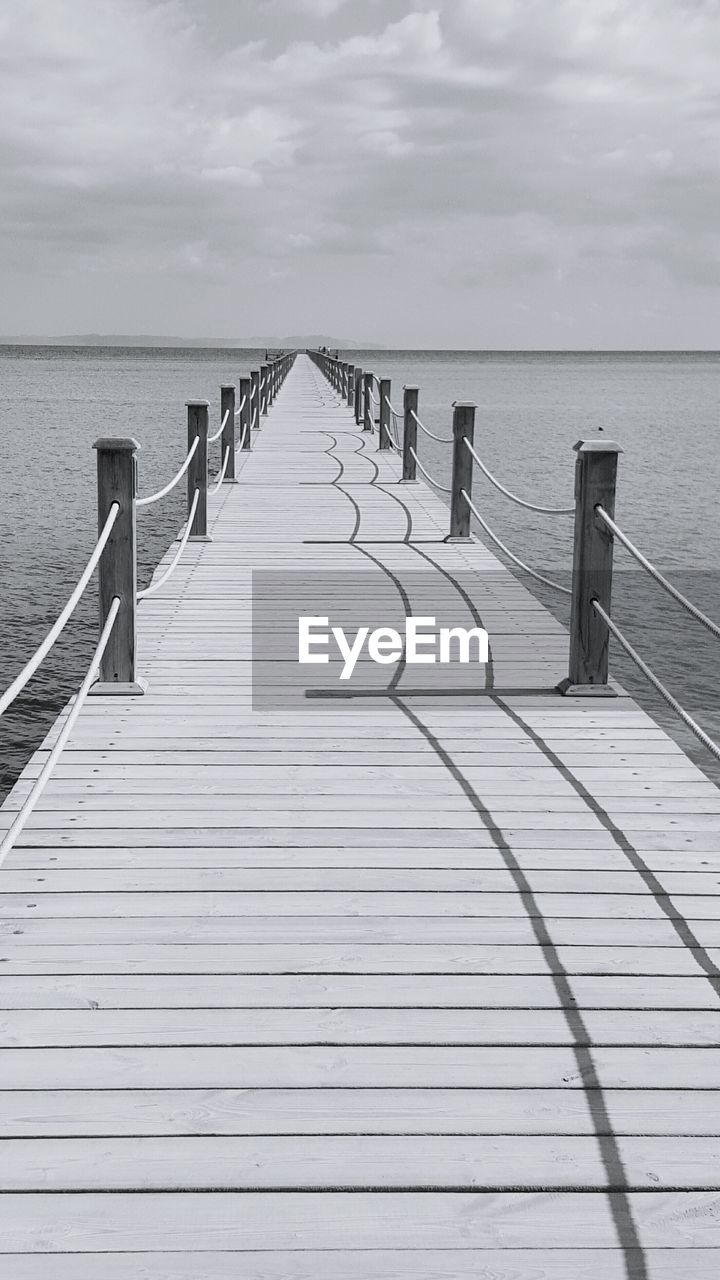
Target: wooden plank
[
  {"x": 169, "y": 1024},
  {"x": 18, "y": 957},
  {"x": 336, "y": 1220},
  {"x": 455, "y": 1263},
  {"x": 389, "y": 991},
  {"x": 355, "y": 1067},
  {"x": 360, "y": 1162},
  {"x": 75, "y": 1112}
]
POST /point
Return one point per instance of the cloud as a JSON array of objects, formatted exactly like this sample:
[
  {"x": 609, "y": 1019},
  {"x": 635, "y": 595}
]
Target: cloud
[{"x": 483, "y": 145}]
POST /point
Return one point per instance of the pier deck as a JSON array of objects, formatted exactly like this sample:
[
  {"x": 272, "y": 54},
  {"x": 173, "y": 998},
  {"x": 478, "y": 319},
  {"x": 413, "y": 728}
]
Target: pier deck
[{"x": 386, "y": 987}]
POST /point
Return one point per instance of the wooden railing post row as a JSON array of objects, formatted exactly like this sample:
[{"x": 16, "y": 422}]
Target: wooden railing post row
[
  {"x": 350, "y": 385},
  {"x": 255, "y": 405},
  {"x": 117, "y": 571},
  {"x": 245, "y": 420},
  {"x": 263, "y": 389},
  {"x": 197, "y": 474},
  {"x": 462, "y": 470},
  {"x": 227, "y": 439},
  {"x": 358, "y": 394},
  {"x": 367, "y": 401},
  {"x": 595, "y": 481},
  {"x": 410, "y": 406},
  {"x": 385, "y": 441}
]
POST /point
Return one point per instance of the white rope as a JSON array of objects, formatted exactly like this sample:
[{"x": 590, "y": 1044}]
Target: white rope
[
  {"x": 520, "y": 563},
  {"x": 656, "y": 683},
  {"x": 218, "y": 433},
  {"x": 390, "y": 439},
  {"x": 427, "y": 475},
  {"x": 155, "y": 586},
  {"x": 392, "y": 408},
  {"x": 241, "y": 406},
  {"x": 31, "y": 667},
  {"x": 255, "y": 417},
  {"x": 252, "y": 393},
  {"x": 242, "y": 438},
  {"x": 531, "y": 506},
  {"x": 154, "y": 497},
  {"x": 19, "y": 823},
  {"x": 692, "y": 609},
  {"x": 428, "y": 432},
  {"x": 221, "y": 477}
]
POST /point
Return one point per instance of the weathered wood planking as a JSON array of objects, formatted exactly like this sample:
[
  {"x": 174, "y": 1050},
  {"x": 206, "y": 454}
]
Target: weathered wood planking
[{"x": 363, "y": 989}]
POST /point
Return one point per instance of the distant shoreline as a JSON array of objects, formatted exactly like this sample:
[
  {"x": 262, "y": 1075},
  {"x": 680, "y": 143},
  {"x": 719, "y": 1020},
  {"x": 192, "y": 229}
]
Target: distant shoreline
[{"x": 122, "y": 343}]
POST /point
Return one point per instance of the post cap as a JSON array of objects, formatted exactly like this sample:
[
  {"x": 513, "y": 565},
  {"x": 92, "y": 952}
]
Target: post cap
[
  {"x": 410, "y": 386},
  {"x": 197, "y": 404},
  {"x": 117, "y": 444},
  {"x": 597, "y": 446},
  {"x": 464, "y": 404},
  {"x": 227, "y": 386}
]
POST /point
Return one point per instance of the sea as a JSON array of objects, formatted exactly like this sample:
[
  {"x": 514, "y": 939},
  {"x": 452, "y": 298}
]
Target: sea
[{"x": 663, "y": 409}]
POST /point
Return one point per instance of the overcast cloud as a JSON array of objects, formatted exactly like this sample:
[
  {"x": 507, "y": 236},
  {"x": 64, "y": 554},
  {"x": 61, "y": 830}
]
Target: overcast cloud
[{"x": 478, "y": 173}]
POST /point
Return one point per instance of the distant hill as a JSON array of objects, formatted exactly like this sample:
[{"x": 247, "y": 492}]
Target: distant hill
[{"x": 162, "y": 340}]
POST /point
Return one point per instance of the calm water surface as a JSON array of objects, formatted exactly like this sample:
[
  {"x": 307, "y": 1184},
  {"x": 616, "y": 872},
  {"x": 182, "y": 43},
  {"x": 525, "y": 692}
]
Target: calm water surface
[{"x": 664, "y": 410}]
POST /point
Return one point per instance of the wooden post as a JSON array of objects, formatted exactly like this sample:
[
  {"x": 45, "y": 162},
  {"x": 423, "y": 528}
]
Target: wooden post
[
  {"x": 227, "y": 439},
  {"x": 116, "y": 482},
  {"x": 255, "y": 403},
  {"x": 462, "y": 470},
  {"x": 595, "y": 478},
  {"x": 385, "y": 436},
  {"x": 245, "y": 412},
  {"x": 367, "y": 402},
  {"x": 263, "y": 389},
  {"x": 351, "y": 385},
  {"x": 198, "y": 470},
  {"x": 358, "y": 394},
  {"x": 410, "y": 406}
]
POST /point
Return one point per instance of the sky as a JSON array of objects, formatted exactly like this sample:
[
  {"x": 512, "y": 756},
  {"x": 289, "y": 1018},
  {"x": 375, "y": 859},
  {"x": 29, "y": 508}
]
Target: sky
[{"x": 464, "y": 173}]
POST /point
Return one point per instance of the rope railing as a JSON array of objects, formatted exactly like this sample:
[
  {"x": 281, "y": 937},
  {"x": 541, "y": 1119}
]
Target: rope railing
[
  {"x": 17, "y": 826},
  {"x": 655, "y": 681},
  {"x": 242, "y": 438},
  {"x": 221, "y": 428},
  {"x": 428, "y": 432},
  {"x": 155, "y": 586},
  {"x": 394, "y": 437},
  {"x": 28, "y": 671},
  {"x": 510, "y": 554},
  {"x": 114, "y": 555},
  {"x": 389, "y": 436},
  {"x": 433, "y": 481},
  {"x": 161, "y": 493},
  {"x": 655, "y": 573},
  {"x": 241, "y": 406},
  {"x": 521, "y": 502},
  {"x": 221, "y": 477}
]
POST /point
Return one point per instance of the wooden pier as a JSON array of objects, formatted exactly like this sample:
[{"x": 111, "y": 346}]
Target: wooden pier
[{"x": 401, "y": 987}]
